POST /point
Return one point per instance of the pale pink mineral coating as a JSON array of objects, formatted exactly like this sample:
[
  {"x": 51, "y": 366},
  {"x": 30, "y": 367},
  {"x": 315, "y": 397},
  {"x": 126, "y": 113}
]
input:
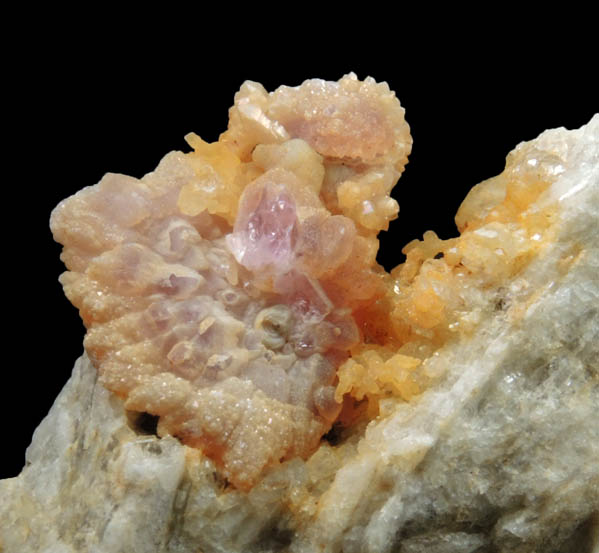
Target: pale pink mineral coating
[{"x": 219, "y": 290}]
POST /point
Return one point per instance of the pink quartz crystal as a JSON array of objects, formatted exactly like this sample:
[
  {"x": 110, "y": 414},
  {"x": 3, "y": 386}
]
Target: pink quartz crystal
[{"x": 265, "y": 230}]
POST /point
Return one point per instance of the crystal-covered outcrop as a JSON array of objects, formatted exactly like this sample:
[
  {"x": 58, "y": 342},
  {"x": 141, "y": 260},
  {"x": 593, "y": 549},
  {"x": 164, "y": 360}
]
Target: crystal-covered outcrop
[{"x": 233, "y": 296}]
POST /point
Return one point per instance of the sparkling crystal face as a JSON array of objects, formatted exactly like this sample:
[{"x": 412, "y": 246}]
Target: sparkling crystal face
[{"x": 265, "y": 230}]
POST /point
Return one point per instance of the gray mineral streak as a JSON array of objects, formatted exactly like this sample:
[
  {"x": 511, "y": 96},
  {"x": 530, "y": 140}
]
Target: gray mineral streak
[{"x": 500, "y": 454}]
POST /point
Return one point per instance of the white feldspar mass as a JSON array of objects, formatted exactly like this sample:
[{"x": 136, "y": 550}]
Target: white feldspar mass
[{"x": 254, "y": 382}]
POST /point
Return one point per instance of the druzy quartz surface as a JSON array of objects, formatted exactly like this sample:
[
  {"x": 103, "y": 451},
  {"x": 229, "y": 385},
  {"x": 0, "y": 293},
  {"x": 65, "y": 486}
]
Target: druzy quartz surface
[{"x": 219, "y": 291}]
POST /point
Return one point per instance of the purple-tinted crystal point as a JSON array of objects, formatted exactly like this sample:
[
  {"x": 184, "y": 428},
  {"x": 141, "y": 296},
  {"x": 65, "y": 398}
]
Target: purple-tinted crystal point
[{"x": 265, "y": 228}]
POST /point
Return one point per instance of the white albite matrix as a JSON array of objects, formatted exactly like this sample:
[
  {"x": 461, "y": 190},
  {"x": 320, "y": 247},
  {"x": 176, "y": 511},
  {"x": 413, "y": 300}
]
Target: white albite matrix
[{"x": 499, "y": 454}]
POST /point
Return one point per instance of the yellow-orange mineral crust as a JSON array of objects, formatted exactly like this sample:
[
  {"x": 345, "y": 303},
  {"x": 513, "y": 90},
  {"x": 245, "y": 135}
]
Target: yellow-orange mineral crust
[
  {"x": 443, "y": 286},
  {"x": 234, "y": 291}
]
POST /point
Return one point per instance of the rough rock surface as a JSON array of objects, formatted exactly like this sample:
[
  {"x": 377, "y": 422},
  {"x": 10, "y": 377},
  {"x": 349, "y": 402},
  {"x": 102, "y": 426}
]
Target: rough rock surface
[{"x": 469, "y": 425}]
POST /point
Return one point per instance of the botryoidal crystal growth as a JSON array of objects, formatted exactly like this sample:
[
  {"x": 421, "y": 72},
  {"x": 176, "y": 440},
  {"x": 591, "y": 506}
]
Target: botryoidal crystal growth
[{"x": 233, "y": 296}]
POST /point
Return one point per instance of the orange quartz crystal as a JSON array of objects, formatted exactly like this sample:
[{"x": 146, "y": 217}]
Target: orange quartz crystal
[{"x": 234, "y": 292}]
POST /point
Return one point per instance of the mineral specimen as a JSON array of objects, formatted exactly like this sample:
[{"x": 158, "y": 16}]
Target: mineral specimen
[{"x": 232, "y": 295}]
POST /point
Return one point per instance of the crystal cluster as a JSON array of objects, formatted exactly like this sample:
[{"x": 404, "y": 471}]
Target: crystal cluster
[{"x": 220, "y": 291}]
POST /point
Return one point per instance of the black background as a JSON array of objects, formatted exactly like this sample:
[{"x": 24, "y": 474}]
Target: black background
[{"x": 87, "y": 100}]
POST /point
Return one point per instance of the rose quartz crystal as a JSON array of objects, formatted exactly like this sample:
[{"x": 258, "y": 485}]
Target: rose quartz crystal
[
  {"x": 222, "y": 291},
  {"x": 265, "y": 230}
]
